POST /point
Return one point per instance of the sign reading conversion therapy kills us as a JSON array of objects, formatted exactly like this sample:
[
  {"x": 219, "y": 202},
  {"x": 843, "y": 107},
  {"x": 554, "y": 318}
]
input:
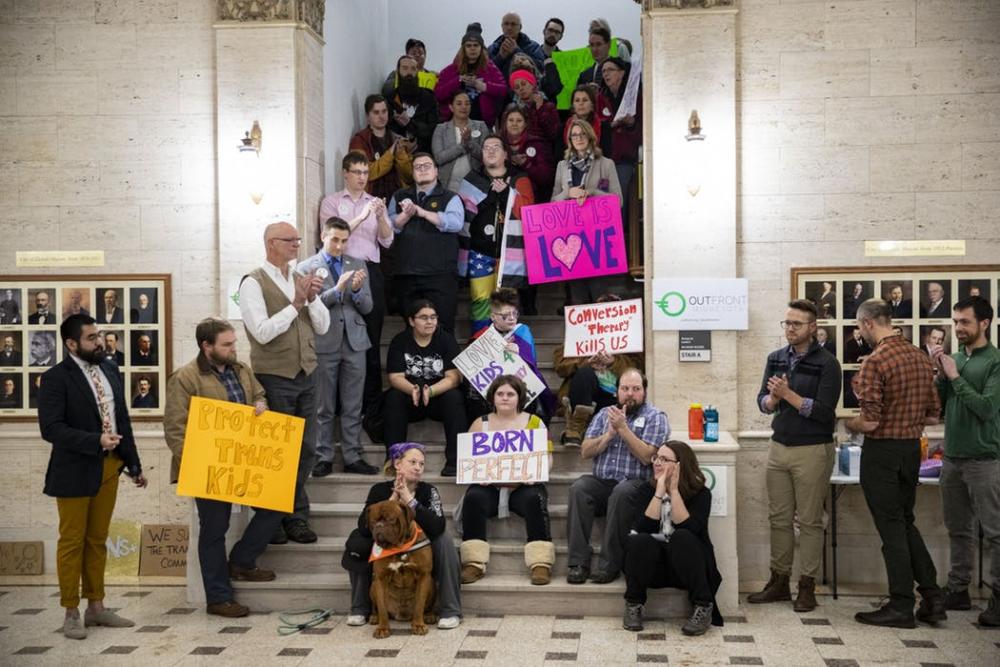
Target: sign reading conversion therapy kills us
[
  {"x": 234, "y": 456},
  {"x": 503, "y": 457},
  {"x": 614, "y": 327},
  {"x": 566, "y": 241}
]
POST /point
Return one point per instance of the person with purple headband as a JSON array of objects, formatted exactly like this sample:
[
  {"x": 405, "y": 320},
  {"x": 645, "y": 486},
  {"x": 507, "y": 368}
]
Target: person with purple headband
[{"x": 406, "y": 467}]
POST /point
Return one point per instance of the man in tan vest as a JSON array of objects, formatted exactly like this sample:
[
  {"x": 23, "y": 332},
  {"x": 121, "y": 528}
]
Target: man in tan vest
[{"x": 282, "y": 317}]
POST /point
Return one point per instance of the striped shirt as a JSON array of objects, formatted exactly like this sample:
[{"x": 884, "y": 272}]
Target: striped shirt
[
  {"x": 897, "y": 390},
  {"x": 617, "y": 462}
]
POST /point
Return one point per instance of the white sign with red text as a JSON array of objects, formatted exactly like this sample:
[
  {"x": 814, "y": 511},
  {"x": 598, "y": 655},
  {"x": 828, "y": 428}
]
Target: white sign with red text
[{"x": 614, "y": 327}]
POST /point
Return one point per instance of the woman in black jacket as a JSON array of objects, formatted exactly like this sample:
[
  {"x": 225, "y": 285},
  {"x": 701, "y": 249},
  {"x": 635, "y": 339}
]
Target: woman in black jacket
[
  {"x": 406, "y": 464},
  {"x": 669, "y": 544}
]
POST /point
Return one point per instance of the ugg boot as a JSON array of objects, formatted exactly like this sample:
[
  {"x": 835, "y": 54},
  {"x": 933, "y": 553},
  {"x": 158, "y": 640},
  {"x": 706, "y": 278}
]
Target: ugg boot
[
  {"x": 806, "y": 599},
  {"x": 475, "y": 556},
  {"x": 776, "y": 590},
  {"x": 576, "y": 423},
  {"x": 539, "y": 556}
]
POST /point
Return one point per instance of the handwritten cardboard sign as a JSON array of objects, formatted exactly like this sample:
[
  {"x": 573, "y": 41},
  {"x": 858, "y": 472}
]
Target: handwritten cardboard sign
[
  {"x": 503, "y": 457},
  {"x": 163, "y": 550},
  {"x": 20, "y": 558},
  {"x": 487, "y": 358},
  {"x": 234, "y": 456},
  {"x": 614, "y": 327},
  {"x": 566, "y": 241},
  {"x": 123, "y": 548}
]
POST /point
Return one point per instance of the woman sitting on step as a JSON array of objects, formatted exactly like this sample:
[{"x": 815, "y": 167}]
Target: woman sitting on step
[
  {"x": 508, "y": 396},
  {"x": 406, "y": 466},
  {"x": 669, "y": 544}
]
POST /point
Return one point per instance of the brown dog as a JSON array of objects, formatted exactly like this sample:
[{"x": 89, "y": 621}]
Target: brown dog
[{"x": 402, "y": 585}]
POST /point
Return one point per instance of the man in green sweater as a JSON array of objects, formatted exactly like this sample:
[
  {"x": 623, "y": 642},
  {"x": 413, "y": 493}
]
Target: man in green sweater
[{"x": 969, "y": 386}]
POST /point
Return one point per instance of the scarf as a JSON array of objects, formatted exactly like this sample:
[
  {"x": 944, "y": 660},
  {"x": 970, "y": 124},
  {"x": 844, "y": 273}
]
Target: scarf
[{"x": 582, "y": 163}]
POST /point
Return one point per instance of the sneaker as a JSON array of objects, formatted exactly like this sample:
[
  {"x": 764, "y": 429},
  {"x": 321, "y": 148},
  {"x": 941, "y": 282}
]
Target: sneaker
[
  {"x": 73, "y": 628},
  {"x": 957, "y": 600},
  {"x": 361, "y": 467},
  {"x": 322, "y": 469},
  {"x": 887, "y": 617},
  {"x": 239, "y": 573},
  {"x": 701, "y": 619},
  {"x": 228, "y": 609},
  {"x": 632, "y": 619},
  {"x": 449, "y": 623},
  {"x": 299, "y": 531},
  {"x": 107, "y": 618},
  {"x": 991, "y": 617},
  {"x": 357, "y": 619},
  {"x": 577, "y": 574}
]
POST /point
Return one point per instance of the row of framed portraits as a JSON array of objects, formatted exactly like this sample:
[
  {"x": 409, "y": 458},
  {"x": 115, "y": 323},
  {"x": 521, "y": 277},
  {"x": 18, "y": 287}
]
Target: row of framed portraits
[
  {"x": 921, "y": 299},
  {"x": 133, "y": 317}
]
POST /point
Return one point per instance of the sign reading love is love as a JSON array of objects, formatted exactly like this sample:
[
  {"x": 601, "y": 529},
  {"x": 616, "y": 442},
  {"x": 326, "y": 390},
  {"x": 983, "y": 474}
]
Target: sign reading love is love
[{"x": 566, "y": 241}]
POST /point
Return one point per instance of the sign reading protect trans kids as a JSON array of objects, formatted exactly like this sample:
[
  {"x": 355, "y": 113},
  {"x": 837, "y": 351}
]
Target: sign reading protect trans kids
[{"x": 699, "y": 304}]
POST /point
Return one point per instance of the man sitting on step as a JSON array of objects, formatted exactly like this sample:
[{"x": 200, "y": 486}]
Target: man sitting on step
[{"x": 622, "y": 439}]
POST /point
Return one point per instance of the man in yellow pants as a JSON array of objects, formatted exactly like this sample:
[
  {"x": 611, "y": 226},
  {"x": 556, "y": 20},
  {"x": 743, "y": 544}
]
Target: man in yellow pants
[{"x": 82, "y": 411}]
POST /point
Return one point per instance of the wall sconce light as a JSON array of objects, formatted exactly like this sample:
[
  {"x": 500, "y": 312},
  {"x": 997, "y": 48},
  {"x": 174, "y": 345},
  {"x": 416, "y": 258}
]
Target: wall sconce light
[
  {"x": 694, "y": 154},
  {"x": 250, "y": 162}
]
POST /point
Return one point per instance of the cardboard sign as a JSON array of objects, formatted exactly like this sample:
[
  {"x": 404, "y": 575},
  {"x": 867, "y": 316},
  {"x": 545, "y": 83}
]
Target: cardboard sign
[
  {"x": 566, "y": 241},
  {"x": 164, "y": 550},
  {"x": 123, "y": 548},
  {"x": 615, "y": 328},
  {"x": 236, "y": 457},
  {"x": 570, "y": 64},
  {"x": 22, "y": 558},
  {"x": 487, "y": 358},
  {"x": 503, "y": 457}
]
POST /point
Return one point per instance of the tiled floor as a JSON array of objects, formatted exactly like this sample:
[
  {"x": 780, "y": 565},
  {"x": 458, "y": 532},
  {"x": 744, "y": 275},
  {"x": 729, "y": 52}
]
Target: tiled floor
[{"x": 170, "y": 632}]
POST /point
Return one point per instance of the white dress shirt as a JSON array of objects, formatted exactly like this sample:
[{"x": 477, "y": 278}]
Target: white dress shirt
[{"x": 264, "y": 329}]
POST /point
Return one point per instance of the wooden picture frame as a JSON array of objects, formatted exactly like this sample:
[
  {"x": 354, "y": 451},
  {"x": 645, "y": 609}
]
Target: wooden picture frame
[
  {"x": 132, "y": 311},
  {"x": 918, "y": 318}
]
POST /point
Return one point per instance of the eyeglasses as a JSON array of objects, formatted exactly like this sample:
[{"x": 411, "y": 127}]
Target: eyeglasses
[
  {"x": 492, "y": 147},
  {"x": 577, "y": 135},
  {"x": 663, "y": 459},
  {"x": 423, "y": 166},
  {"x": 792, "y": 324},
  {"x": 426, "y": 318},
  {"x": 510, "y": 315},
  {"x": 296, "y": 239},
  {"x": 358, "y": 172}
]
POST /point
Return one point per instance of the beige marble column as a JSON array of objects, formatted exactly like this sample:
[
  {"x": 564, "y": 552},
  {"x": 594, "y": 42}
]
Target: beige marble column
[{"x": 269, "y": 69}]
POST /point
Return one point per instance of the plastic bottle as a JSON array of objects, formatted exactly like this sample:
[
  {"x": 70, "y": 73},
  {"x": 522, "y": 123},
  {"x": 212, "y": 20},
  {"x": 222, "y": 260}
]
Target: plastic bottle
[
  {"x": 711, "y": 424},
  {"x": 923, "y": 447},
  {"x": 696, "y": 422}
]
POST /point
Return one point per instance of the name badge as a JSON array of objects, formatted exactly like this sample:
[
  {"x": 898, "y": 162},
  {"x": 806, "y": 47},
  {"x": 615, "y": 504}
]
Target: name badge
[
  {"x": 639, "y": 422},
  {"x": 530, "y": 152},
  {"x": 476, "y": 134}
]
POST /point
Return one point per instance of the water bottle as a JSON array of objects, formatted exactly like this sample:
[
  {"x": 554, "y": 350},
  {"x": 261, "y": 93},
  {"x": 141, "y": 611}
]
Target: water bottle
[
  {"x": 696, "y": 422},
  {"x": 711, "y": 424}
]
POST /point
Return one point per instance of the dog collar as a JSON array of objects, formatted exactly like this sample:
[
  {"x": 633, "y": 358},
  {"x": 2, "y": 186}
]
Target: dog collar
[{"x": 418, "y": 541}]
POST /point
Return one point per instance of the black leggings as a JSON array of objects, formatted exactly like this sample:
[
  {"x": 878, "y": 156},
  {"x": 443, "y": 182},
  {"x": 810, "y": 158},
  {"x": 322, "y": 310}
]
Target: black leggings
[
  {"x": 528, "y": 501},
  {"x": 447, "y": 408},
  {"x": 679, "y": 563}
]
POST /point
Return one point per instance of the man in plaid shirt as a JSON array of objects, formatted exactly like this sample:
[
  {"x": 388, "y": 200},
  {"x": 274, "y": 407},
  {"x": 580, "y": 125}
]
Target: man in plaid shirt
[
  {"x": 622, "y": 439},
  {"x": 898, "y": 399}
]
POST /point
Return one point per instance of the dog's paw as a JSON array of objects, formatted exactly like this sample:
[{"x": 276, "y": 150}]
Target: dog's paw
[
  {"x": 418, "y": 629},
  {"x": 383, "y": 632},
  {"x": 373, "y": 619}
]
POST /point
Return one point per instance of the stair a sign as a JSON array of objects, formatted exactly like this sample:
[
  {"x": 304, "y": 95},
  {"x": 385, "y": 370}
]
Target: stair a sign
[
  {"x": 234, "y": 456},
  {"x": 487, "y": 358},
  {"x": 566, "y": 240},
  {"x": 516, "y": 456}
]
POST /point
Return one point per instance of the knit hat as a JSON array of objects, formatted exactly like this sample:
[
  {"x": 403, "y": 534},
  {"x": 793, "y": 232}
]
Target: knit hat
[
  {"x": 474, "y": 33},
  {"x": 517, "y": 75}
]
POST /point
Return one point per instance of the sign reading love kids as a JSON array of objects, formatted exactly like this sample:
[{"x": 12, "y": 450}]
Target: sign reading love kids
[
  {"x": 566, "y": 241},
  {"x": 503, "y": 457},
  {"x": 487, "y": 358},
  {"x": 233, "y": 455}
]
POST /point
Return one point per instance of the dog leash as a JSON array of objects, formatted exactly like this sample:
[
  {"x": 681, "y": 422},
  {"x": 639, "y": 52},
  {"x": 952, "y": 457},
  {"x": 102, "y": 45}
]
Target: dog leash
[{"x": 289, "y": 626}]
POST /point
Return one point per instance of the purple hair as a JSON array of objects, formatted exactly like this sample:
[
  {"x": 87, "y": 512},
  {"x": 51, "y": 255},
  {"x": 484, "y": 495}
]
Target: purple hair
[{"x": 398, "y": 450}]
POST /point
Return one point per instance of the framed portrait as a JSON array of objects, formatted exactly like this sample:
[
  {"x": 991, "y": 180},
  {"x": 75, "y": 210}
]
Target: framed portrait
[
  {"x": 31, "y": 346},
  {"x": 920, "y": 298}
]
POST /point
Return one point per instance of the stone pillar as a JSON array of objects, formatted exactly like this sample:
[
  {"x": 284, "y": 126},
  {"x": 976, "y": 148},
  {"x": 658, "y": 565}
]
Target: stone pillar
[
  {"x": 269, "y": 69},
  {"x": 690, "y": 64}
]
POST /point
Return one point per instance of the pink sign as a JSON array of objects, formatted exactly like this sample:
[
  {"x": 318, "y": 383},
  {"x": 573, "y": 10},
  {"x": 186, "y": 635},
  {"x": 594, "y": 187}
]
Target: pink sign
[{"x": 566, "y": 241}]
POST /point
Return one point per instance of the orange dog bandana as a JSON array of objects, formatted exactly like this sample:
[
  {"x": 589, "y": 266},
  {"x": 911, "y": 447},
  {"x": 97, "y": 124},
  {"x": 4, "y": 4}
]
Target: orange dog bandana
[{"x": 418, "y": 541}]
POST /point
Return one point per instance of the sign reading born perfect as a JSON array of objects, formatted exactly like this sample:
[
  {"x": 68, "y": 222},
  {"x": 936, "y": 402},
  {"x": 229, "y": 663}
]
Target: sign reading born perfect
[
  {"x": 614, "y": 327},
  {"x": 487, "y": 358},
  {"x": 234, "y": 456},
  {"x": 566, "y": 241},
  {"x": 503, "y": 457}
]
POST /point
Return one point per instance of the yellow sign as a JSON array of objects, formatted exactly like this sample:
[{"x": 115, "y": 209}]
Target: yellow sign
[
  {"x": 123, "y": 548},
  {"x": 26, "y": 259},
  {"x": 233, "y": 456},
  {"x": 921, "y": 248}
]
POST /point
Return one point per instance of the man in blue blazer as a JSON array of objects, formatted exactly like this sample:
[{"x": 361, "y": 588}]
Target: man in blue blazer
[
  {"x": 83, "y": 412},
  {"x": 341, "y": 350}
]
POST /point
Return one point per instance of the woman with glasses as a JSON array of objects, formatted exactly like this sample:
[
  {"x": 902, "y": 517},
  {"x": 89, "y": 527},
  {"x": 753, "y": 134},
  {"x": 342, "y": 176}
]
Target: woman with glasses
[
  {"x": 585, "y": 172},
  {"x": 423, "y": 381},
  {"x": 458, "y": 143},
  {"x": 507, "y": 397},
  {"x": 669, "y": 546}
]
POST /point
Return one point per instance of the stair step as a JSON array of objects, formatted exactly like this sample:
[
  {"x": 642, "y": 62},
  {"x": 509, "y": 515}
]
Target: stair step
[{"x": 493, "y": 594}]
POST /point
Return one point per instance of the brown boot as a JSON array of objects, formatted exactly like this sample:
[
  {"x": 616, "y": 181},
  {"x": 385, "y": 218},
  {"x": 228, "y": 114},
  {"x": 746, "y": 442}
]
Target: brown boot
[
  {"x": 806, "y": 599},
  {"x": 776, "y": 590},
  {"x": 576, "y": 423}
]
